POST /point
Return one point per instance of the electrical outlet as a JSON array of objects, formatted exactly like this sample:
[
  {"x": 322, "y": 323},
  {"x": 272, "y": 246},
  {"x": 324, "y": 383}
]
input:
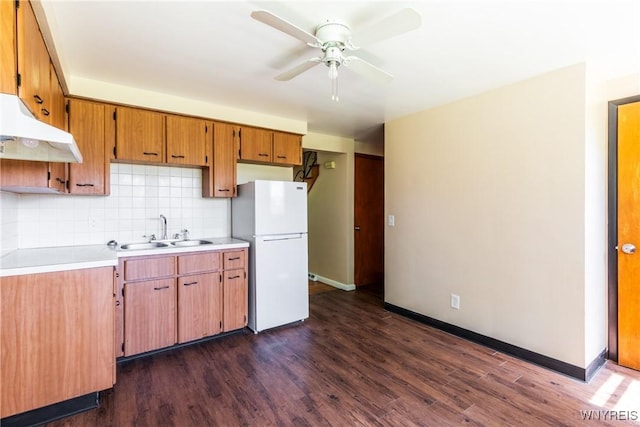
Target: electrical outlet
[
  {"x": 455, "y": 301},
  {"x": 392, "y": 220}
]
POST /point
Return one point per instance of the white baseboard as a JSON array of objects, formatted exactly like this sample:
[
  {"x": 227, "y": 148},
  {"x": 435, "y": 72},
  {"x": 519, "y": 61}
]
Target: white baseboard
[{"x": 330, "y": 282}]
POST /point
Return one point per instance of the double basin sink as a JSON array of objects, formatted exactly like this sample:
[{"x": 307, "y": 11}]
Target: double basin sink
[{"x": 156, "y": 245}]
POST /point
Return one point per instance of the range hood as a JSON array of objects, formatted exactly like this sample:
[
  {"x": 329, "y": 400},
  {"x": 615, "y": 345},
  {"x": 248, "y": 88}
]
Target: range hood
[{"x": 23, "y": 137}]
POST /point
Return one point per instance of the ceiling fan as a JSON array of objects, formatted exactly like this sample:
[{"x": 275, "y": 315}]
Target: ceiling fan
[{"x": 333, "y": 37}]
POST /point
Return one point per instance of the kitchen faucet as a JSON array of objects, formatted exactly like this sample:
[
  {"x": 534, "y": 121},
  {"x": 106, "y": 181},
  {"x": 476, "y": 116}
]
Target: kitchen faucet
[{"x": 164, "y": 227}]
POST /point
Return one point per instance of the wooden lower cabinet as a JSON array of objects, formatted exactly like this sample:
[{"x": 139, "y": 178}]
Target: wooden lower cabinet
[
  {"x": 149, "y": 315},
  {"x": 235, "y": 299},
  {"x": 199, "y": 306},
  {"x": 177, "y": 299},
  {"x": 57, "y": 337}
]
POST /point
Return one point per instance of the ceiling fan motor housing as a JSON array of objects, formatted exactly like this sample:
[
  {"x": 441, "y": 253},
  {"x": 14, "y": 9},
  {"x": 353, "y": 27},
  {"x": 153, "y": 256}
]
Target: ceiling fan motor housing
[
  {"x": 333, "y": 32},
  {"x": 334, "y": 36}
]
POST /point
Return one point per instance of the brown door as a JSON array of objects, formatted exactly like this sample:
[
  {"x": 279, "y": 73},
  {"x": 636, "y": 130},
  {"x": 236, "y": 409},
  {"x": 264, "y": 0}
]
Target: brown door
[
  {"x": 369, "y": 220},
  {"x": 629, "y": 235}
]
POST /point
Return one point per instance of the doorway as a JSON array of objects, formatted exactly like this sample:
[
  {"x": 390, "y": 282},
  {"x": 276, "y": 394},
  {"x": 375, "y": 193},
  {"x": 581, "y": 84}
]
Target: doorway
[
  {"x": 368, "y": 220},
  {"x": 624, "y": 232}
]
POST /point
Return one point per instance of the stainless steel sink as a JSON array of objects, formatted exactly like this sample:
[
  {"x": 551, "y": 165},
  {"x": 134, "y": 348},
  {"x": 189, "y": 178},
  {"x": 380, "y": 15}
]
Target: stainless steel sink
[
  {"x": 191, "y": 242},
  {"x": 148, "y": 245}
]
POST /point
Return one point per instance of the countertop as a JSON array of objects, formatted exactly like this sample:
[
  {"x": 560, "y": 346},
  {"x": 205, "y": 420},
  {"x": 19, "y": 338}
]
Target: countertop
[{"x": 62, "y": 258}]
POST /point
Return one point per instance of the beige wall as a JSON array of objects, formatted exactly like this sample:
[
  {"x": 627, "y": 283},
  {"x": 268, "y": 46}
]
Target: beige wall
[
  {"x": 249, "y": 172},
  {"x": 494, "y": 211},
  {"x": 328, "y": 227},
  {"x": 331, "y": 209},
  {"x": 143, "y": 98}
]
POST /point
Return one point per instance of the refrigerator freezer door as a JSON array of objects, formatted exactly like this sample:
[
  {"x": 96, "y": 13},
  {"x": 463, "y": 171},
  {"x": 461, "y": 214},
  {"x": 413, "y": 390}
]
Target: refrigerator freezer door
[
  {"x": 280, "y": 207},
  {"x": 279, "y": 293}
]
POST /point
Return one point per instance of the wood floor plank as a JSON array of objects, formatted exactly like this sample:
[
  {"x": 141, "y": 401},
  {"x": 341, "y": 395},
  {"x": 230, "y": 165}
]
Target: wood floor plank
[{"x": 352, "y": 363}]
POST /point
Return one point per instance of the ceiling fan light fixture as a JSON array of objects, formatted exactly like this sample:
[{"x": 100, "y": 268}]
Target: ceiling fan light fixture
[{"x": 333, "y": 77}]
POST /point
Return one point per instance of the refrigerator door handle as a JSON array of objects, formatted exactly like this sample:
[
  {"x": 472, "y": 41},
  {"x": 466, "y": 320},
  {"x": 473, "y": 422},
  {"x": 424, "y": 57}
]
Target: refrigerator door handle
[{"x": 281, "y": 237}]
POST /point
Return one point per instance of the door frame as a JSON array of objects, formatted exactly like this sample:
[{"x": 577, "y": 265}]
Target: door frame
[{"x": 612, "y": 227}]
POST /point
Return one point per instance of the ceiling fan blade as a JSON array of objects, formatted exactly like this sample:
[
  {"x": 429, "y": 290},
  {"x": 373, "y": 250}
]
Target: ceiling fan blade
[
  {"x": 298, "y": 69},
  {"x": 391, "y": 26},
  {"x": 284, "y": 26},
  {"x": 367, "y": 70}
]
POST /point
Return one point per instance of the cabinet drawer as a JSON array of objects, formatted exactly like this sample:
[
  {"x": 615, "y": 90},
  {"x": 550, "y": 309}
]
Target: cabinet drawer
[
  {"x": 234, "y": 260},
  {"x": 147, "y": 268},
  {"x": 195, "y": 263}
]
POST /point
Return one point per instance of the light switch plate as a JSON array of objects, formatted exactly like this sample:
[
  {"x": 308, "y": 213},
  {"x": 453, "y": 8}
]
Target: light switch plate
[{"x": 392, "y": 220}]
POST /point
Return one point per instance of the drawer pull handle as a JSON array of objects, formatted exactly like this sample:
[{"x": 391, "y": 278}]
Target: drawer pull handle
[
  {"x": 147, "y": 153},
  {"x": 45, "y": 112},
  {"x": 177, "y": 157},
  {"x": 233, "y": 277},
  {"x": 282, "y": 157},
  {"x": 161, "y": 288},
  {"x": 38, "y": 99},
  {"x": 117, "y": 303},
  {"x": 191, "y": 283},
  {"x": 263, "y": 155},
  {"x": 84, "y": 185},
  {"x": 234, "y": 258},
  {"x": 60, "y": 180},
  {"x": 224, "y": 189}
]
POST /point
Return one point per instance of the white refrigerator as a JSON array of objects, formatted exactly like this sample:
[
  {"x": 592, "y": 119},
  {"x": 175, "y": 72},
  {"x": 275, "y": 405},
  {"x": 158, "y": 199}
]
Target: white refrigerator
[{"x": 272, "y": 217}]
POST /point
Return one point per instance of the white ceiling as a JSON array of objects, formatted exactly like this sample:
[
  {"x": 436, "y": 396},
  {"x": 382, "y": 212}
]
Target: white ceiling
[{"x": 215, "y": 52}]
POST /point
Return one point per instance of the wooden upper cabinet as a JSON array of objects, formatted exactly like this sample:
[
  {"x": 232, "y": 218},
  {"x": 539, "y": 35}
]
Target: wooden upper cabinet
[
  {"x": 58, "y": 172},
  {"x": 287, "y": 148},
  {"x": 140, "y": 135},
  {"x": 186, "y": 140},
  {"x": 33, "y": 62},
  {"x": 265, "y": 146},
  {"x": 8, "y": 62},
  {"x": 256, "y": 145},
  {"x": 219, "y": 180},
  {"x": 88, "y": 124},
  {"x": 57, "y": 116}
]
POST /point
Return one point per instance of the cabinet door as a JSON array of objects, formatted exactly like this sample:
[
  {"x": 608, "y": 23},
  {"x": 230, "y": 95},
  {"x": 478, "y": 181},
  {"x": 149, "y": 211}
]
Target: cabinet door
[
  {"x": 255, "y": 145},
  {"x": 8, "y": 64},
  {"x": 139, "y": 135},
  {"x": 149, "y": 315},
  {"x": 186, "y": 140},
  {"x": 33, "y": 61},
  {"x": 199, "y": 306},
  {"x": 57, "y": 171},
  {"x": 23, "y": 173},
  {"x": 87, "y": 124},
  {"x": 235, "y": 300},
  {"x": 57, "y": 337},
  {"x": 225, "y": 138},
  {"x": 287, "y": 149}
]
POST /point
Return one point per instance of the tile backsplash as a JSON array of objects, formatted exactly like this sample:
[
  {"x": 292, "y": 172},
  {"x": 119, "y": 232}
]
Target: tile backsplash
[
  {"x": 9, "y": 222},
  {"x": 139, "y": 194}
]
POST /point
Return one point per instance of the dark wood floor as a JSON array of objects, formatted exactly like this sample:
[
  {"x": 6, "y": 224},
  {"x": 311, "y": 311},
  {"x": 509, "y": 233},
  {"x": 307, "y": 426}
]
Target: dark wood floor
[{"x": 353, "y": 363}]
